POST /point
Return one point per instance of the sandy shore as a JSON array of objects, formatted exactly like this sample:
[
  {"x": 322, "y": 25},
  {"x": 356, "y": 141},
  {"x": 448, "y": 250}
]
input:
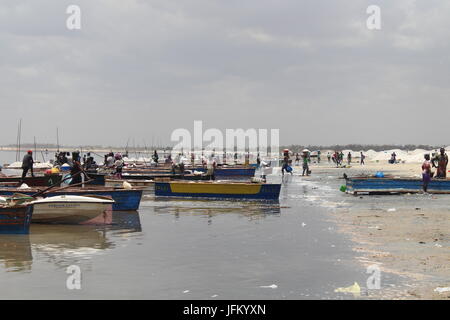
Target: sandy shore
[{"x": 410, "y": 241}]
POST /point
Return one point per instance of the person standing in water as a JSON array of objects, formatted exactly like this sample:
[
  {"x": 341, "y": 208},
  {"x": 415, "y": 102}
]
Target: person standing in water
[
  {"x": 305, "y": 164},
  {"x": 27, "y": 164},
  {"x": 285, "y": 164},
  {"x": 442, "y": 162},
  {"x": 426, "y": 172}
]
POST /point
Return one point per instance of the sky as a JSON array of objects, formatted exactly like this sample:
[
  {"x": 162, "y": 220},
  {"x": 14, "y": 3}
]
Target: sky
[{"x": 137, "y": 70}]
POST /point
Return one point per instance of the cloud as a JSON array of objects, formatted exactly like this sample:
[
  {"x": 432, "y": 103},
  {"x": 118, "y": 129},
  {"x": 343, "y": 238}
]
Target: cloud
[{"x": 144, "y": 68}]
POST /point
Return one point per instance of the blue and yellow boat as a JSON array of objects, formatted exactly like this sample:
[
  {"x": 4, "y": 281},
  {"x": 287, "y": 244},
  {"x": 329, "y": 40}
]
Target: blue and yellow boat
[{"x": 218, "y": 189}]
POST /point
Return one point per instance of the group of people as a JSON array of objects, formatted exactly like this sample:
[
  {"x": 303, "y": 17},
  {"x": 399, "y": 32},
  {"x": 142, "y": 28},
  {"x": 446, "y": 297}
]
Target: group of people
[
  {"x": 305, "y": 158},
  {"x": 338, "y": 158},
  {"x": 440, "y": 162}
]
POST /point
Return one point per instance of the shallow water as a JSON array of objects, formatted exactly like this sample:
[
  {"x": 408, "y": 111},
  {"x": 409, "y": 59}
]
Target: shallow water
[{"x": 195, "y": 249}]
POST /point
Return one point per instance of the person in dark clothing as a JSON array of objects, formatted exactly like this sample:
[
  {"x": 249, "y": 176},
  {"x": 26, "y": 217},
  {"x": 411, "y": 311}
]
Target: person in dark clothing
[
  {"x": 440, "y": 161},
  {"x": 27, "y": 164},
  {"x": 76, "y": 168},
  {"x": 155, "y": 158}
]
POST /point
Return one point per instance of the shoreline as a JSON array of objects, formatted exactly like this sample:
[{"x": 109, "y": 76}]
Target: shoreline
[{"x": 405, "y": 235}]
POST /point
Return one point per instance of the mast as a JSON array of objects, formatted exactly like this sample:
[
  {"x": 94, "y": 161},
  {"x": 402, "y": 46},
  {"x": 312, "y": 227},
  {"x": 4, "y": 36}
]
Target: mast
[{"x": 57, "y": 139}]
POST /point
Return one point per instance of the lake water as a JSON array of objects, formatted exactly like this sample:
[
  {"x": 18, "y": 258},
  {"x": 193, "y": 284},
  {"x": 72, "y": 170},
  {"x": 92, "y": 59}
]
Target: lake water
[{"x": 193, "y": 249}]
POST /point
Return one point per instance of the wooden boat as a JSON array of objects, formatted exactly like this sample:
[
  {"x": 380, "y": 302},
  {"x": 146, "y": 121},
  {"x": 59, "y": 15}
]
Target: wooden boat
[
  {"x": 218, "y": 189},
  {"x": 71, "y": 209},
  {"x": 388, "y": 185},
  {"x": 161, "y": 172},
  {"x": 36, "y": 181},
  {"x": 124, "y": 199},
  {"x": 15, "y": 218}
]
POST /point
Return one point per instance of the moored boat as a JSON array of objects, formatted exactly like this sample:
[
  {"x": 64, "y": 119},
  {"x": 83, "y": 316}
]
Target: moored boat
[
  {"x": 15, "y": 218},
  {"x": 70, "y": 209},
  {"x": 36, "y": 181},
  {"x": 372, "y": 185},
  {"x": 218, "y": 189},
  {"x": 124, "y": 199}
]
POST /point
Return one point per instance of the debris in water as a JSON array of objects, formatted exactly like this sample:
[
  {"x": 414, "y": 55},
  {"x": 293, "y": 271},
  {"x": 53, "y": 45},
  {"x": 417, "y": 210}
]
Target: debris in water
[
  {"x": 303, "y": 224},
  {"x": 355, "y": 289},
  {"x": 392, "y": 210},
  {"x": 185, "y": 291}
]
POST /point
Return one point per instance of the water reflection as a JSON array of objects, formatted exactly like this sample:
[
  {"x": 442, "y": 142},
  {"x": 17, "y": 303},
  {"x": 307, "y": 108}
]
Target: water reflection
[
  {"x": 63, "y": 245},
  {"x": 210, "y": 209},
  {"x": 15, "y": 252}
]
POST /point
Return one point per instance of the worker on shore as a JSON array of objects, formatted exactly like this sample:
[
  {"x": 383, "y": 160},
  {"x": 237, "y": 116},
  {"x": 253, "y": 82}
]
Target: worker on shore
[
  {"x": 362, "y": 158},
  {"x": 286, "y": 161},
  {"x": 211, "y": 168},
  {"x": 306, "y": 160},
  {"x": 393, "y": 158},
  {"x": 329, "y": 157},
  {"x": 426, "y": 173},
  {"x": 442, "y": 161},
  {"x": 27, "y": 164},
  {"x": 318, "y": 156},
  {"x": 349, "y": 158},
  {"x": 297, "y": 159},
  {"x": 337, "y": 158}
]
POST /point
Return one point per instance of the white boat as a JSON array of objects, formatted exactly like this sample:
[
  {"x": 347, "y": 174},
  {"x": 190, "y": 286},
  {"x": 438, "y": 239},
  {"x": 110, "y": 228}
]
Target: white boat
[{"x": 73, "y": 209}]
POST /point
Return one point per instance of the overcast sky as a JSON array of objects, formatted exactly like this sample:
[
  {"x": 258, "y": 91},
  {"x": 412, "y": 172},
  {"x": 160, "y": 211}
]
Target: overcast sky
[{"x": 140, "y": 69}]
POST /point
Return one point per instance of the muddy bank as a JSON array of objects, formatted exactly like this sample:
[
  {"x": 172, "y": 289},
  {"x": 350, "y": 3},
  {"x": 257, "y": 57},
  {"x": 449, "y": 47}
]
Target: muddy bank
[{"x": 407, "y": 235}]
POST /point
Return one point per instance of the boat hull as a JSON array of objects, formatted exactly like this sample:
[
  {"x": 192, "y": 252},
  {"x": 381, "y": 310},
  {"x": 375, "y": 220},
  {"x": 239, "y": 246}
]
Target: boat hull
[
  {"x": 37, "y": 181},
  {"x": 70, "y": 213},
  {"x": 124, "y": 200},
  {"x": 15, "y": 220},
  {"x": 395, "y": 185},
  {"x": 218, "y": 190}
]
